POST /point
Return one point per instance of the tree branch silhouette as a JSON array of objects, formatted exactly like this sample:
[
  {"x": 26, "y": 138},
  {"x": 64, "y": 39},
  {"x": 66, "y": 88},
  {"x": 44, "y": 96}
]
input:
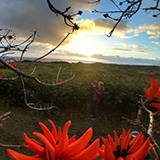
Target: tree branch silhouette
[{"x": 125, "y": 10}]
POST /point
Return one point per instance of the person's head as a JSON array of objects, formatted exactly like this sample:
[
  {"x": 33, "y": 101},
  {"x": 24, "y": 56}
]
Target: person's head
[{"x": 100, "y": 85}]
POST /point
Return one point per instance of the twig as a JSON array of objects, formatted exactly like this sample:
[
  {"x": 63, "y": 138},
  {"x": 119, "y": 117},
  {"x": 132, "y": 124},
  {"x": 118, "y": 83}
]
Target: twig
[
  {"x": 68, "y": 18},
  {"x": 52, "y": 50},
  {"x": 94, "y": 2},
  {"x": 4, "y": 117},
  {"x": 58, "y": 74},
  {"x": 132, "y": 122},
  {"x": 150, "y": 127},
  {"x": 32, "y": 105},
  {"x": 22, "y": 74},
  {"x": 10, "y": 145},
  {"x": 25, "y": 48},
  {"x": 139, "y": 114}
]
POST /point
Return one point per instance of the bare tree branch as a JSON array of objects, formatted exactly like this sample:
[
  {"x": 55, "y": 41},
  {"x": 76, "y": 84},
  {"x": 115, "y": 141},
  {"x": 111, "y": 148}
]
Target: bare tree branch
[
  {"x": 127, "y": 13},
  {"x": 52, "y": 50},
  {"x": 150, "y": 127},
  {"x": 155, "y": 8},
  {"x": 68, "y": 18},
  {"x": 10, "y": 145},
  {"x": 131, "y": 8},
  {"x": 8, "y": 47},
  {"x": 94, "y": 2},
  {"x": 37, "y": 106},
  {"x": 4, "y": 117},
  {"x": 25, "y": 48},
  {"x": 151, "y": 131},
  {"x": 156, "y": 146}
]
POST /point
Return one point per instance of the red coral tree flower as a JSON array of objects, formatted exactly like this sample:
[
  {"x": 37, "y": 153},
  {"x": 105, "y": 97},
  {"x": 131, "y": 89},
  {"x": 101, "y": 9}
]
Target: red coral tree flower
[
  {"x": 60, "y": 80},
  {"x": 14, "y": 65},
  {"x": 152, "y": 91},
  {"x": 125, "y": 148},
  {"x": 57, "y": 146},
  {"x": 153, "y": 94}
]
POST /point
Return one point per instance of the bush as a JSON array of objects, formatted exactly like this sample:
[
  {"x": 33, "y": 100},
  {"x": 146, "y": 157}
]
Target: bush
[{"x": 122, "y": 84}]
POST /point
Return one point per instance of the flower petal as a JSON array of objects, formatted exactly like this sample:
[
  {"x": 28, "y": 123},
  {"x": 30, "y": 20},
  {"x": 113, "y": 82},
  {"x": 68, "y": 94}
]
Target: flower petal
[
  {"x": 36, "y": 148},
  {"x": 113, "y": 145},
  {"x": 137, "y": 143},
  {"x": 88, "y": 153},
  {"x": 54, "y": 131},
  {"x": 77, "y": 146},
  {"x": 48, "y": 134},
  {"x": 72, "y": 139},
  {"x": 117, "y": 141},
  {"x": 62, "y": 146},
  {"x": 126, "y": 140},
  {"x": 140, "y": 153},
  {"x": 120, "y": 158},
  {"x": 108, "y": 151},
  {"x": 18, "y": 156},
  {"x": 47, "y": 144}
]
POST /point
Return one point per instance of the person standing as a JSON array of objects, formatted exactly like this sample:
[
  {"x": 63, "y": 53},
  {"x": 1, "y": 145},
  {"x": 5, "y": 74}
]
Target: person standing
[{"x": 97, "y": 96}]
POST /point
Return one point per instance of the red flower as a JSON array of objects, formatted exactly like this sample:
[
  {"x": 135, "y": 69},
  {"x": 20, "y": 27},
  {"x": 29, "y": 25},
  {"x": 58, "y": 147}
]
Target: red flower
[
  {"x": 57, "y": 146},
  {"x": 14, "y": 65},
  {"x": 1, "y": 71},
  {"x": 60, "y": 80},
  {"x": 152, "y": 91},
  {"x": 153, "y": 94},
  {"x": 156, "y": 105},
  {"x": 125, "y": 148}
]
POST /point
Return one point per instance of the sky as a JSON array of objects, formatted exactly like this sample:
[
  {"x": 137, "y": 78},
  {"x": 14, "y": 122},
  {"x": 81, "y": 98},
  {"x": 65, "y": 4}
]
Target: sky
[{"x": 135, "y": 41}]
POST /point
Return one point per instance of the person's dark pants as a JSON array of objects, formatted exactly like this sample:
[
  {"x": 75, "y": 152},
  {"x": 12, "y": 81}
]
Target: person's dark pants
[{"x": 94, "y": 109}]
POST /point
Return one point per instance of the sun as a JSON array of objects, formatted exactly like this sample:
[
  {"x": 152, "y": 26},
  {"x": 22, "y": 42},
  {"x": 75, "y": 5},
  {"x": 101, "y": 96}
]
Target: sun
[
  {"x": 84, "y": 45},
  {"x": 87, "y": 49}
]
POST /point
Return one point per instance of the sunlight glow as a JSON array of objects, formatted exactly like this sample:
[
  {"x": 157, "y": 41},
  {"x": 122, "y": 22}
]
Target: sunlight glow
[
  {"x": 86, "y": 48},
  {"x": 84, "y": 45},
  {"x": 88, "y": 59}
]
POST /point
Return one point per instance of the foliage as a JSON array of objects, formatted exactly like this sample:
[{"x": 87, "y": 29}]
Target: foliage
[{"x": 122, "y": 84}]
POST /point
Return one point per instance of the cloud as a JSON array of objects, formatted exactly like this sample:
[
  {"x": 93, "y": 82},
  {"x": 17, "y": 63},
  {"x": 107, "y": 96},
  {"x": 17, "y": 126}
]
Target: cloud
[
  {"x": 134, "y": 48},
  {"x": 24, "y": 16},
  {"x": 127, "y": 60},
  {"x": 86, "y": 25},
  {"x": 157, "y": 43},
  {"x": 131, "y": 50},
  {"x": 104, "y": 26},
  {"x": 107, "y": 24},
  {"x": 157, "y": 59},
  {"x": 153, "y": 30},
  {"x": 137, "y": 46}
]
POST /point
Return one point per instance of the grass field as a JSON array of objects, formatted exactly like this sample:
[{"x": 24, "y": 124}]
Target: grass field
[{"x": 75, "y": 107}]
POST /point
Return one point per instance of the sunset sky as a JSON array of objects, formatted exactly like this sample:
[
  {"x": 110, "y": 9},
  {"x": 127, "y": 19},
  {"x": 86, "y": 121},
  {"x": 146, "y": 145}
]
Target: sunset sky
[{"x": 135, "y": 41}]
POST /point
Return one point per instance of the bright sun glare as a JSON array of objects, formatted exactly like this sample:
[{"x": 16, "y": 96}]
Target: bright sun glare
[{"x": 84, "y": 46}]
